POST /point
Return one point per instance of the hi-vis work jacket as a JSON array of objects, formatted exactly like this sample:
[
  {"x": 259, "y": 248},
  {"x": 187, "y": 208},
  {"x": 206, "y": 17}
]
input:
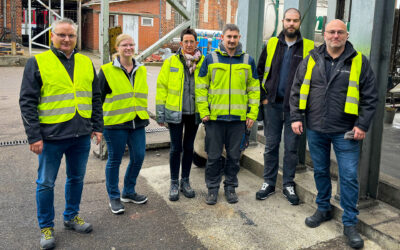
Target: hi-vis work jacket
[
  {"x": 270, "y": 65},
  {"x": 60, "y": 97},
  {"x": 228, "y": 86},
  {"x": 125, "y": 101},
  {"x": 170, "y": 88},
  {"x": 335, "y": 105}
]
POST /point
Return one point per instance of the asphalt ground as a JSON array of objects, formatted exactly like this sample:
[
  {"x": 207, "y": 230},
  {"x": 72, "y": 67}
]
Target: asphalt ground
[{"x": 159, "y": 224}]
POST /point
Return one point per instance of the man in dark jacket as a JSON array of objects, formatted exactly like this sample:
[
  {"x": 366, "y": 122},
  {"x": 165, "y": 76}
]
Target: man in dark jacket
[
  {"x": 276, "y": 69},
  {"x": 334, "y": 88},
  {"x": 61, "y": 109}
]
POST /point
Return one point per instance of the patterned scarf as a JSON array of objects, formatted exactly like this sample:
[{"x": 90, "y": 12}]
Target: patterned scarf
[{"x": 191, "y": 61}]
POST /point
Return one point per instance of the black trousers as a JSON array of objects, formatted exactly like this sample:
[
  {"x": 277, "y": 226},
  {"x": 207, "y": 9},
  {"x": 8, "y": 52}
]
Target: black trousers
[
  {"x": 218, "y": 134},
  {"x": 177, "y": 147}
]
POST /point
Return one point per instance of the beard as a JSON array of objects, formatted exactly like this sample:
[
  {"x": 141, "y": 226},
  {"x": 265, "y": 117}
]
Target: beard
[{"x": 291, "y": 34}]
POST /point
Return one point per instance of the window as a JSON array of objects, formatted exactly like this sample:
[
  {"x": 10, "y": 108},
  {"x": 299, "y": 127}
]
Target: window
[{"x": 147, "y": 21}]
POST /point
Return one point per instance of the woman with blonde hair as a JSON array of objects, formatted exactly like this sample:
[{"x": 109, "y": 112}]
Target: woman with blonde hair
[{"x": 124, "y": 95}]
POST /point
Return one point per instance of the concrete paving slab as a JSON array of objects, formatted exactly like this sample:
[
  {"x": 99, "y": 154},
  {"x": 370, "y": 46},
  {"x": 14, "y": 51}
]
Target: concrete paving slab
[{"x": 248, "y": 224}]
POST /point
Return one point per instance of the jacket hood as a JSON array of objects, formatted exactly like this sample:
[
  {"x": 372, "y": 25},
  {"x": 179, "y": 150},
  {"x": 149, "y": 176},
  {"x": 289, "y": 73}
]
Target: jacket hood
[{"x": 222, "y": 50}]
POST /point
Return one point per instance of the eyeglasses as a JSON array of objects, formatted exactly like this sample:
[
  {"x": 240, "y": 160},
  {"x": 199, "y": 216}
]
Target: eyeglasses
[
  {"x": 127, "y": 45},
  {"x": 63, "y": 36},
  {"x": 189, "y": 42},
  {"x": 333, "y": 32}
]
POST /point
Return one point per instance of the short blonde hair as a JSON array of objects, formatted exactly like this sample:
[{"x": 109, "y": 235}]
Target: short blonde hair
[{"x": 118, "y": 40}]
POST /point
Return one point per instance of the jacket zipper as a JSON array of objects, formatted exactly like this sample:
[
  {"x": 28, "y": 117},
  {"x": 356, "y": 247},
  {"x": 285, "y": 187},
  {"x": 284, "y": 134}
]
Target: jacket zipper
[{"x": 230, "y": 76}]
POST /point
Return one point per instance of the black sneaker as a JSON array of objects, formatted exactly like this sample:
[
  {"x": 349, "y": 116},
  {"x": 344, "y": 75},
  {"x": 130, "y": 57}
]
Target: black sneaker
[
  {"x": 186, "y": 189},
  {"x": 116, "y": 206},
  {"x": 231, "y": 196},
  {"x": 290, "y": 193},
  {"x": 318, "y": 217},
  {"x": 212, "y": 197},
  {"x": 353, "y": 237},
  {"x": 135, "y": 198},
  {"x": 174, "y": 190},
  {"x": 265, "y": 191}
]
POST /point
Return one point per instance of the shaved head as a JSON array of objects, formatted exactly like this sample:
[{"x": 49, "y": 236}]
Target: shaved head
[
  {"x": 335, "y": 36},
  {"x": 337, "y": 23}
]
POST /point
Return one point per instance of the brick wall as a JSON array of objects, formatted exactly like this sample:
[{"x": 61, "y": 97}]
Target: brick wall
[
  {"x": 18, "y": 4},
  {"x": 147, "y": 34},
  {"x": 217, "y": 16}
]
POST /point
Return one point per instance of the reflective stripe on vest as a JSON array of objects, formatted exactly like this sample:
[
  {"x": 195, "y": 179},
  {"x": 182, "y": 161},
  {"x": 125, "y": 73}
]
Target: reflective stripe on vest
[
  {"x": 124, "y": 102},
  {"x": 272, "y": 43},
  {"x": 353, "y": 94},
  {"x": 60, "y": 97},
  {"x": 229, "y": 100}
]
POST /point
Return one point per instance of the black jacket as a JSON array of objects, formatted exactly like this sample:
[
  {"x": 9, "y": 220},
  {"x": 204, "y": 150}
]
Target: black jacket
[
  {"x": 326, "y": 100},
  {"x": 29, "y": 101},
  {"x": 105, "y": 89},
  {"x": 271, "y": 85}
]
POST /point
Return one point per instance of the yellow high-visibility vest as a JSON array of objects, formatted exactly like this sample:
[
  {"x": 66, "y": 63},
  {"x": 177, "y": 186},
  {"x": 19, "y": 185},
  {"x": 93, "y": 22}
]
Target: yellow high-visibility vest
[
  {"x": 60, "y": 98},
  {"x": 308, "y": 45},
  {"x": 353, "y": 94},
  {"x": 125, "y": 101}
]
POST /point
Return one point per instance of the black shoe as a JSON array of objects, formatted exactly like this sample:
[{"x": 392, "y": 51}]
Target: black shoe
[
  {"x": 353, "y": 237},
  {"x": 212, "y": 197},
  {"x": 135, "y": 198},
  {"x": 290, "y": 193},
  {"x": 231, "y": 196},
  {"x": 116, "y": 206},
  {"x": 318, "y": 217},
  {"x": 265, "y": 191},
  {"x": 174, "y": 190},
  {"x": 186, "y": 189}
]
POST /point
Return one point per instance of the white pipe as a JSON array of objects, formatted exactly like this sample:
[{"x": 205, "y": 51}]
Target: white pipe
[{"x": 30, "y": 26}]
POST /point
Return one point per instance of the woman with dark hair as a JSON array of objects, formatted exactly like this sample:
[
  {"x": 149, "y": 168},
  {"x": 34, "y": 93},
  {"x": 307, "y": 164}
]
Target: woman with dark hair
[
  {"x": 124, "y": 96},
  {"x": 175, "y": 105}
]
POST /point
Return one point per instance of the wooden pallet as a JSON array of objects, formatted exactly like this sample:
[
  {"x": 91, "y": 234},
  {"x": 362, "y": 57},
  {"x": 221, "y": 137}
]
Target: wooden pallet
[{"x": 5, "y": 49}]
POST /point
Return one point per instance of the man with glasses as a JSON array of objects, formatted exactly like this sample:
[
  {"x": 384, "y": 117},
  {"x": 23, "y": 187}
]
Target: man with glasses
[
  {"x": 334, "y": 94},
  {"x": 276, "y": 68},
  {"x": 61, "y": 109}
]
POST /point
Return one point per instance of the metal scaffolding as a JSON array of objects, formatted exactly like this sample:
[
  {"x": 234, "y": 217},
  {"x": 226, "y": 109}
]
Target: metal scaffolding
[{"x": 32, "y": 39}]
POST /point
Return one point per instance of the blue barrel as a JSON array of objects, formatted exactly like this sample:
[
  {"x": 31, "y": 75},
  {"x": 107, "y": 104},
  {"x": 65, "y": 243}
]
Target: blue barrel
[{"x": 204, "y": 45}]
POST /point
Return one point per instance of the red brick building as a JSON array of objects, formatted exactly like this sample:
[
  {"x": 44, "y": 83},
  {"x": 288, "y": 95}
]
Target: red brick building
[
  {"x": 8, "y": 16},
  {"x": 148, "y": 20}
]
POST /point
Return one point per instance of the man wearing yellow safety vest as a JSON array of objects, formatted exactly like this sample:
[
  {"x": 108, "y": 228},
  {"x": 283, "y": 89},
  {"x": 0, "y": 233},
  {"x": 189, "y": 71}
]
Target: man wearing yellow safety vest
[
  {"x": 61, "y": 109},
  {"x": 227, "y": 97},
  {"x": 334, "y": 88},
  {"x": 175, "y": 106},
  {"x": 276, "y": 68}
]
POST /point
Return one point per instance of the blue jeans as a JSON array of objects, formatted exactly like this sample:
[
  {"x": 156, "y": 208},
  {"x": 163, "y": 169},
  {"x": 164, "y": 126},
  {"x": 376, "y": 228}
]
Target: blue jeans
[
  {"x": 116, "y": 140},
  {"x": 176, "y": 134},
  {"x": 76, "y": 152},
  {"x": 274, "y": 121},
  {"x": 347, "y": 155}
]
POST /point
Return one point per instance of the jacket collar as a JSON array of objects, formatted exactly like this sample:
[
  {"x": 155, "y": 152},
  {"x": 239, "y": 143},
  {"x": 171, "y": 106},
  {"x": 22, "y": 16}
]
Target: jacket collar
[
  {"x": 349, "y": 51},
  {"x": 59, "y": 53},
  {"x": 221, "y": 50},
  {"x": 117, "y": 64}
]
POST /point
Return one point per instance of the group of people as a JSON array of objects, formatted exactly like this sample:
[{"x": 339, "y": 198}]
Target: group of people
[{"x": 328, "y": 91}]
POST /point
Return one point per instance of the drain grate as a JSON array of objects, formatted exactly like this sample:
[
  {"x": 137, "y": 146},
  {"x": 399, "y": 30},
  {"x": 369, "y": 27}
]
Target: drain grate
[{"x": 13, "y": 143}]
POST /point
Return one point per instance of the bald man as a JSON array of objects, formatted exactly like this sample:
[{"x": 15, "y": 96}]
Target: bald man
[{"x": 334, "y": 93}]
